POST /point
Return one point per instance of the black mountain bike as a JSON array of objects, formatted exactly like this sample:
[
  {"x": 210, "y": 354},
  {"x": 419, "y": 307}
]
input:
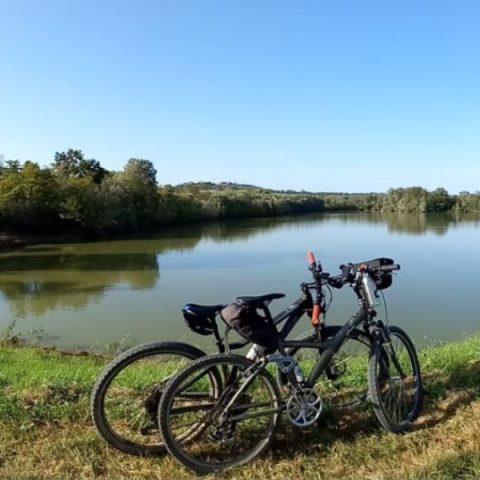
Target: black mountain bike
[
  {"x": 222, "y": 410},
  {"x": 125, "y": 398}
]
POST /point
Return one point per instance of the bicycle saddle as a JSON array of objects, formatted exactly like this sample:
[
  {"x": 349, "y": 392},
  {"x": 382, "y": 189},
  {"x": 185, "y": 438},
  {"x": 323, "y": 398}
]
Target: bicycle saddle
[{"x": 258, "y": 301}]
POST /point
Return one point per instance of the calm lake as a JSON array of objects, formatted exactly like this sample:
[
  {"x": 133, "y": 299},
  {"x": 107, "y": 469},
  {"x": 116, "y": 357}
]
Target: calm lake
[{"x": 92, "y": 295}]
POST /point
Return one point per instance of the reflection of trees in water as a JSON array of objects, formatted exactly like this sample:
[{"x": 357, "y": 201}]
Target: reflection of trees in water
[
  {"x": 422, "y": 223},
  {"x": 35, "y": 283},
  {"x": 417, "y": 223},
  {"x": 409, "y": 223},
  {"x": 40, "y": 279},
  {"x": 37, "y": 297},
  {"x": 229, "y": 232},
  {"x": 45, "y": 278}
]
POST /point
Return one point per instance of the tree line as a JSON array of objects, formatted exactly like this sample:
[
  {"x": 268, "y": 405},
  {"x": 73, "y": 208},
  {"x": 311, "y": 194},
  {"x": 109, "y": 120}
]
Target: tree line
[
  {"x": 77, "y": 194},
  {"x": 411, "y": 199}
]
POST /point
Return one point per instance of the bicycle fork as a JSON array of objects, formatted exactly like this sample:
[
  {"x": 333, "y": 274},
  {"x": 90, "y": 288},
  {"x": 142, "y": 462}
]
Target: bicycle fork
[{"x": 386, "y": 341}]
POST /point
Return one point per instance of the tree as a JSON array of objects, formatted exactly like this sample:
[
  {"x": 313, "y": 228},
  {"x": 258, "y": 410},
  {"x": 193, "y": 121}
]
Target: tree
[
  {"x": 140, "y": 178},
  {"x": 439, "y": 200},
  {"x": 12, "y": 166},
  {"x": 139, "y": 170},
  {"x": 29, "y": 197},
  {"x": 73, "y": 164}
]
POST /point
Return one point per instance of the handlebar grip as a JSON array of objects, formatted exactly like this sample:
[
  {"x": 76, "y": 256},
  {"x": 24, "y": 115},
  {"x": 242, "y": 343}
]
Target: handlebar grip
[
  {"x": 311, "y": 260},
  {"x": 390, "y": 268}
]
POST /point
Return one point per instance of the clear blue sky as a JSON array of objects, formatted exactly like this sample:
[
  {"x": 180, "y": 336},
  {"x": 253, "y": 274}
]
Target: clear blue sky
[{"x": 319, "y": 95}]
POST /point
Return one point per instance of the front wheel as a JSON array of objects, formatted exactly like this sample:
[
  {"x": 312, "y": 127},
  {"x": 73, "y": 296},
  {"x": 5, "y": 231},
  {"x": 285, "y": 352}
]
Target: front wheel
[{"x": 395, "y": 381}]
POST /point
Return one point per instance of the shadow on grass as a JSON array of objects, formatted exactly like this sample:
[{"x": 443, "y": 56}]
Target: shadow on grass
[{"x": 445, "y": 394}]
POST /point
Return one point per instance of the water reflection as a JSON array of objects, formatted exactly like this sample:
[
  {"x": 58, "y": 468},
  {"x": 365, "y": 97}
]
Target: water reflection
[
  {"x": 41, "y": 279},
  {"x": 415, "y": 224},
  {"x": 421, "y": 223},
  {"x": 34, "y": 284}
]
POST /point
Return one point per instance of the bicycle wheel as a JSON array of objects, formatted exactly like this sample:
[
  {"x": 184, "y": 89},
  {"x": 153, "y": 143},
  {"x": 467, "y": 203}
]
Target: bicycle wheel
[
  {"x": 345, "y": 383},
  {"x": 124, "y": 401},
  {"x": 232, "y": 427},
  {"x": 395, "y": 382}
]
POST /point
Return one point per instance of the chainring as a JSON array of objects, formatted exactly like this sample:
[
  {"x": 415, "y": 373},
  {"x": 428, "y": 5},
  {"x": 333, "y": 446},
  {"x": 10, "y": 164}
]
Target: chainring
[{"x": 304, "y": 407}]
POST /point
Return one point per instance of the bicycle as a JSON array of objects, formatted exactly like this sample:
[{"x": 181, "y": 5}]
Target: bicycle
[
  {"x": 222, "y": 410},
  {"x": 126, "y": 395}
]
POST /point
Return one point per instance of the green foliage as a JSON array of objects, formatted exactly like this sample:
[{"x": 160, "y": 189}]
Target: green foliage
[
  {"x": 78, "y": 194},
  {"x": 467, "y": 202},
  {"x": 412, "y": 199},
  {"x": 439, "y": 201},
  {"x": 140, "y": 183},
  {"x": 73, "y": 164},
  {"x": 29, "y": 197}
]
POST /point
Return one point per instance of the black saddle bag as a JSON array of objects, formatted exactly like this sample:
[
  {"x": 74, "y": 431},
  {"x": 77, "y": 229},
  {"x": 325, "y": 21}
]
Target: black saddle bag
[{"x": 251, "y": 325}]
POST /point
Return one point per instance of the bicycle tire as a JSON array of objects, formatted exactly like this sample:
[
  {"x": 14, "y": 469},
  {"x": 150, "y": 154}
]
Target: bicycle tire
[
  {"x": 106, "y": 379},
  {"x": 380, "y": 385},
  {"x": 177, "y": 449}
]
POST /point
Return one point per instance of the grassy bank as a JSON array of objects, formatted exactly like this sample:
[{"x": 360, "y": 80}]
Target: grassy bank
[{"x": 46, "y": 432}]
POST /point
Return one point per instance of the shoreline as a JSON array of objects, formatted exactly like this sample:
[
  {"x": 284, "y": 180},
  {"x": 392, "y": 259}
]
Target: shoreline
[{"x": 11, "y": 240}]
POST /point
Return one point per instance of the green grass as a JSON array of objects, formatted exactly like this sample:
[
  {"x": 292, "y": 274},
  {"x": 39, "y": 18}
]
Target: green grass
[{"x": 46, "y": 431}]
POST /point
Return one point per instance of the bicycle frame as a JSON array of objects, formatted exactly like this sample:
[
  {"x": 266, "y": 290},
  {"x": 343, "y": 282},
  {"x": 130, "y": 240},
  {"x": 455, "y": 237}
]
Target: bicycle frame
[
  {"x": 328, "y": 347},
  {"x": 292, "y": 314}
]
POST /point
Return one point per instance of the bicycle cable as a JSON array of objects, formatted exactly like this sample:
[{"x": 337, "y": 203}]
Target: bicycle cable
[
  {"x": 385, "y": 307},
  {"x": 330, "y": 300}
]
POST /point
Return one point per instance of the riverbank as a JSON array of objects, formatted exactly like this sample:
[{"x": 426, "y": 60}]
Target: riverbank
[
  {"x": 13, "y": 241},
  {"x": 46, "y": 431}
]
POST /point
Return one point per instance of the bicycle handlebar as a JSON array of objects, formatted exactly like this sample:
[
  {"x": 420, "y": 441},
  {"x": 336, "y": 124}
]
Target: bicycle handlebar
[{"x": 348, "y": 272}]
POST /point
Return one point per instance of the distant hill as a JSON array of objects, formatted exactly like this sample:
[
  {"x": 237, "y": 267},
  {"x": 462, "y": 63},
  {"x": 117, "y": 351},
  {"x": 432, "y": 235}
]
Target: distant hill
[
  {"x": 221, "y": 186},
  {"x": 211, "y": 186}
]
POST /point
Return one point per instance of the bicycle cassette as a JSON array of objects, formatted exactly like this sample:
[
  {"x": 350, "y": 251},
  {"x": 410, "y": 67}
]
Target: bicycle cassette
[{"x": 304, "y": 407}]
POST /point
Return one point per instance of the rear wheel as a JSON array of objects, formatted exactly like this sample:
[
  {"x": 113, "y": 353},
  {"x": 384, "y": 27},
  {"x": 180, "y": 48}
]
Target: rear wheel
[
  {"x": 395, "y": 382},
  {"x": 125, "y": 398},
  {"x": 232, "y": 426}
]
